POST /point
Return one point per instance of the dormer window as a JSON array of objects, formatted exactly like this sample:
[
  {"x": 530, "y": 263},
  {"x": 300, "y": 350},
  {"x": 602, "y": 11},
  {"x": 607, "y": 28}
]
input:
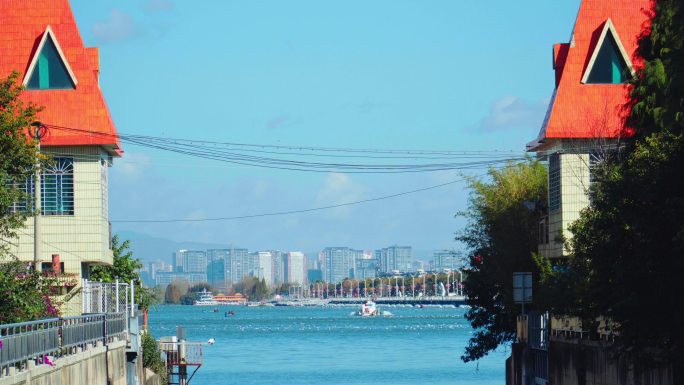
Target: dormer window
[
  {"x": 49, "y": 69},
  {"x": 609, "y": 67},
  {"x": 609, "y": 63}
]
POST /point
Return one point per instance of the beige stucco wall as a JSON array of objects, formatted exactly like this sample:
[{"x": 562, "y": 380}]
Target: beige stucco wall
[
  {"x": 84, "y": 236},
  {"x": 574, "y": 171}
]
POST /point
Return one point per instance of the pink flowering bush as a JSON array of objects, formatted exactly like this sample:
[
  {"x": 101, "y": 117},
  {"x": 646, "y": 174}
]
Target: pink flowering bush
[{"x": 26, "y": 295}]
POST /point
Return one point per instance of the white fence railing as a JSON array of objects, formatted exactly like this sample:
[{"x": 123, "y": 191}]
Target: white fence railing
[{"x": 100, "y": 297}]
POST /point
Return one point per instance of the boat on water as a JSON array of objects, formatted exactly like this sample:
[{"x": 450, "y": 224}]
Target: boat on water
[
  {"x": 205, "y": 298},
  {"x": 369, "y": 309}
]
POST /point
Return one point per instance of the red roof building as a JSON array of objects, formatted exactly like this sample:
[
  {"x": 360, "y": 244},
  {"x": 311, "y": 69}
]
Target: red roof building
[
  {"x": 40, "y": 40},
  {"x": 588, "y": 108},
  {"x": 578, "y": 104},
  {"x": 31, "y": 27}
]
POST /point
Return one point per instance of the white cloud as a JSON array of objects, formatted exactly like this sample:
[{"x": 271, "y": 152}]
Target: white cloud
[
  {"x": 339, "y": 189},
  {"x": 120, "y": 26},
  {"x": 511, "y": 112}
]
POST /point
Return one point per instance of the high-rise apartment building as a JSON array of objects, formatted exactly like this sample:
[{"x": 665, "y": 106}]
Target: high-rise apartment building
[
  {"x": 263, "y": 266},
  {"x": 446, "y": 260},
  {"x": 177, "y": 261},
  {"x": 279, "y": 273},
  {"x": 227, "y": 266},
  {"x": 295, "y": 267},
  {"x": 195, "y": 261},
  {"x": 395, "y": 259},
  {"x": 338, "y": 263},
  {"x": 366, "y": 267}
]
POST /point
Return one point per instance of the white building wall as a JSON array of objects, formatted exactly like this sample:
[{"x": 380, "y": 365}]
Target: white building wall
[
  {"x": 296, "y": 268},
  {"x": 264, "y": 268}
]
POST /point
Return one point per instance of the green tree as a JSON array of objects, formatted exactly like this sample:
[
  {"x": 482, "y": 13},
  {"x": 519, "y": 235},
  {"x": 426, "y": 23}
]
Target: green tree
[
  {"x": 501, "y": 235},
  {"x": 152, "y": 356},
  {"x": 18, "y": 154},
  {"x": 125, "y": 268},
  {"x": 628, "y": 245},
  {"x": 172, "y": 295},
  {"x": 253, "y": 288},
  {"x": 26, "y": 295}
]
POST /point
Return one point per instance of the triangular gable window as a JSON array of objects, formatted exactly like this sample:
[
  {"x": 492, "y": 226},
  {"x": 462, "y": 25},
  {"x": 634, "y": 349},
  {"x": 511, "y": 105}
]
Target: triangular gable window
[
  {"x": 608, "y": 64},
  {"x": 49, "y": 70}
]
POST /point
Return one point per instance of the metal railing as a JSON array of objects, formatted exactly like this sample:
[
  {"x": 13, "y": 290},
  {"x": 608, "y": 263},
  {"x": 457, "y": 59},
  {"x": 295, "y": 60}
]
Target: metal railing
[
  {"x": 181, "y": 353},
  {"x": 21, "y": 342},
  {"x": 42, "y": 341},
  {"x": 78, "y": 332},
  {"x": 116, "y": 326}
]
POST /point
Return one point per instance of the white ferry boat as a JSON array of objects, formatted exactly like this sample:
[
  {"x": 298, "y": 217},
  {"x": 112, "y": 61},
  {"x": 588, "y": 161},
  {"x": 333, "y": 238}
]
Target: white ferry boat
[
  {"x": 205, "y": 298},
  {"x": 369, "y": 309}
]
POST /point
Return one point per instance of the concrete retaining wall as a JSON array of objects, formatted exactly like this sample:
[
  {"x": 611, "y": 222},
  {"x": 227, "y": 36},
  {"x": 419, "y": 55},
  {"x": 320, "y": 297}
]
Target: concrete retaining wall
[
  {"x": 100, "y": 365},
  {"x": 590, "y": 363}
]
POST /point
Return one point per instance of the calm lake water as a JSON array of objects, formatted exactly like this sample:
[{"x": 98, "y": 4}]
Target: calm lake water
[{"x": 326, "y": 345}]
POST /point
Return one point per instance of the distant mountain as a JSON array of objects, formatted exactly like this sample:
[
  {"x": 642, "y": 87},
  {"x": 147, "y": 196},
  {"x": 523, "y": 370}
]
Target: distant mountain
[{"x": 149, "y": 249}]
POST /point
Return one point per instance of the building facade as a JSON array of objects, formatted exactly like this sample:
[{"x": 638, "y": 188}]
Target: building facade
[
  {"x": 62, "y": 75},
  {"x": 338, "y": 263},
  {"x": 216, "y": 266},
  {"x": 366, "y": 267},
  {"x": 166, "y": 278},
  {"x": 446, "y": 260},
  {"x": 241, "y": 265},
  {"x": 395, "y": 259},
  {"x": 263, "y": 266},
  {"x": 296, "y": 271},
  {"x": 195, "y": 261}
]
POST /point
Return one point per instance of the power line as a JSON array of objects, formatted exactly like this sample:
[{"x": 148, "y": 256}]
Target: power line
[
  {"x": 212, "y": 151},
  {"x": 290, "y": 147},
  {"x": 279, "y": 213}
]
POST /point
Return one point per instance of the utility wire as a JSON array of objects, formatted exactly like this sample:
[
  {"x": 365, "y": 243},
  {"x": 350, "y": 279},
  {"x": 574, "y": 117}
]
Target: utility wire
[
  {"x": 284, "y": 147},
  {"x": 212, "y": 151}
]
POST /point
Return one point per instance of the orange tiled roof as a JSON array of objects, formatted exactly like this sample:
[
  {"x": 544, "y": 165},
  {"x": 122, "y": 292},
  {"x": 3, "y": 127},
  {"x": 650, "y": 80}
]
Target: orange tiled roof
[
  {"x": 580, "y": 110},
  {"x": 22, "y": 26}
]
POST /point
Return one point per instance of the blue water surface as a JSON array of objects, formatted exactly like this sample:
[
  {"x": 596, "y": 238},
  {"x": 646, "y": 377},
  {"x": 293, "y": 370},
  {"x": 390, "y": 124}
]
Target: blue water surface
[{"x": 326, "y": 345}]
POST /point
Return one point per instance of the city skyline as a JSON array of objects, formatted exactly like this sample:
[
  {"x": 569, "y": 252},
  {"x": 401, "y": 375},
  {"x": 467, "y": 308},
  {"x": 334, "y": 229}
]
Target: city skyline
[{"x": 225, "y": 267}]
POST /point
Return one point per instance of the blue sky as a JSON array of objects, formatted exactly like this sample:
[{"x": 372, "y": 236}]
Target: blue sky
[{"x": 434, "y": 75}]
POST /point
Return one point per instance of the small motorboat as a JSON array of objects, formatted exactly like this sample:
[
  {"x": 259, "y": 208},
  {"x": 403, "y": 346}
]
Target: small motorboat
[
  {"x": 211, "y": 341},
  {"x": 229, "y": 313},
  {"x": 368, "y": 309}
]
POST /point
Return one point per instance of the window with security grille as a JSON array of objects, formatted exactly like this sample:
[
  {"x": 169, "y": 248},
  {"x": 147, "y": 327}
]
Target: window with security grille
[
  {"x": 554, "y": 183},
  {"x": 57, "y": 188}
]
